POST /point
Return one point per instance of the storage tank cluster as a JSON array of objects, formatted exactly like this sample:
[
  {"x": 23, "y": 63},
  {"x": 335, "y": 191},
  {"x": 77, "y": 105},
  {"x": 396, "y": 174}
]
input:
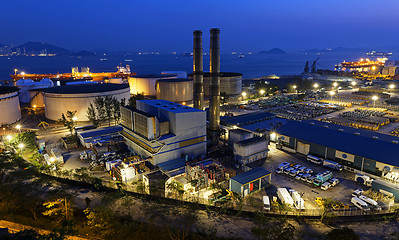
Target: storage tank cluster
[
  {"x": 9, "y": 105},
  {"x": 25, "y": 85},
  {"x": 179, "y": 90},
  {"x": 58, "y": 100}
]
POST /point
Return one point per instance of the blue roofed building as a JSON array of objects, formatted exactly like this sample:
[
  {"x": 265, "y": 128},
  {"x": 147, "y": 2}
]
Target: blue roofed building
[
  {"x": 160, "y": 130},
  {"x": 250, "y": 181},
  {"x": 356, "y": 149}
]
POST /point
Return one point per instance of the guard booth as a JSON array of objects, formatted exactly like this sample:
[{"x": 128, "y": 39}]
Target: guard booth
[{"x": 250, "y": 181}]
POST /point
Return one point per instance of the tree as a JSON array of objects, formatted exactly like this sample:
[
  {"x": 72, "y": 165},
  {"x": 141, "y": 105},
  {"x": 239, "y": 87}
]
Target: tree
[
  {"x": 116, "y": 107},
  {"x": 68, "y": 120},
  {"x": 175, "y": 188},
  {"x": 108, "y": 108},
  {"x": 60, "y": 209},
  {"x": 100, "y": 107},
  {"x": 92, "y": 115},
  {"x": 134, "y": 98},
  {"x": 342, "y": 234}
]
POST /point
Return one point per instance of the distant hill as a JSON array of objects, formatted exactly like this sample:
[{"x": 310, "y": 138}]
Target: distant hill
[
  {"x": 273, "y": 51},
  {"x": 2, "y": 45},
  {"x": 40, "y": 48}
]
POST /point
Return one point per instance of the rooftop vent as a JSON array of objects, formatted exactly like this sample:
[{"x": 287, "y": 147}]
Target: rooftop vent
[
  {"x": 341, "y": 129},
  {"x": 375, "y": 137},
  {"x": 312, "y": 123},
  {"x": 395, "y": 141},
  {"x": 173, "y": 108},
  {"x": 357, "y": 133},
  {"x": 325, "y": 126}
]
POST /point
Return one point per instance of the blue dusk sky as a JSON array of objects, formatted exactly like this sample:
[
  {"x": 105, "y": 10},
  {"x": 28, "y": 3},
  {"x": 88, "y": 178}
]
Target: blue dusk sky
[{"x": 165, "y": 26}]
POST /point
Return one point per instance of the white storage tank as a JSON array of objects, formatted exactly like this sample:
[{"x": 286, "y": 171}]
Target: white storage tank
[
  {"x": 179, "y": 74},
  {"x": 61, "y": 99},
  {"x": 9, "y": 105},
  {"x": 179, "y": 90},
  {"x": 146, "y": 84},
  {"x": 230, "y": 83}
]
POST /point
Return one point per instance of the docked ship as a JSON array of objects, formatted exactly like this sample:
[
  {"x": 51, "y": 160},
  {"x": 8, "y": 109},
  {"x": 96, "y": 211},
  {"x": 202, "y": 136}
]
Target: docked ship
[{"x": 75, "y": 74}]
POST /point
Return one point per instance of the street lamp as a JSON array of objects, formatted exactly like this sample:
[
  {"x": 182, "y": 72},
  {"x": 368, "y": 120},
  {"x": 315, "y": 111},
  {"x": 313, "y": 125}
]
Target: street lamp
[
  {"x": 353, "y": 83},
  {"x": 243, "y": 95},
  {"x": 18, "y": 127},
  {"x": 15, "y": 71},
  {"x": 335, "y": 84},
  {"x": 332, "y": 93},
  {"x": 262, "y": 91},
  {"x": 294, "y": 87},
  {"x": 392, "y": 86},
  {"x": 375, "y": 98},
  {"x": 316, "y": 86},
  {"x": 74, "y": 118},
  {"x": 8, "y": 137},
  {"x": 21, "y": 146}
]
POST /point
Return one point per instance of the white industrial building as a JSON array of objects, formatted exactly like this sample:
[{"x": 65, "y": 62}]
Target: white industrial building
[
  {"x": 250, "y": 150},
  {"x": 58, "y": 100},
  {"x": 163, "y": 130},
  {"x": 146, "y": 84},
  {"x": 9, "y": 105}
]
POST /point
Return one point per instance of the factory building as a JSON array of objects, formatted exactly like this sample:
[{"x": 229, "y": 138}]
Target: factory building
[
  {"x": 146, "y": 84},
  {"x": 161, "y": 130},
  {"x": 178, "y": 90},
  {"x": 9, "y": 105},
  {"x": 250, "y": 181},
  {"x": 356, "y": 149},
  {"x": 237, "y": 135},
  {"x": 250, "y": 150},
  {"x": 58, "y": 100},
  {"x": 230, "y": 83}
]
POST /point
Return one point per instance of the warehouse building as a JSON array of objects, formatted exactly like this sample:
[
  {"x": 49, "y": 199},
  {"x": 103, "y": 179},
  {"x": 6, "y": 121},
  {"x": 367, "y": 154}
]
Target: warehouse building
[
  {"x": 163, "y": 130},
  {"x": 9, "y": 105},
  {"x": 250, "y": 181},
  {"x": 58, "y": 100},
  {"x": 356, "y": 149}
]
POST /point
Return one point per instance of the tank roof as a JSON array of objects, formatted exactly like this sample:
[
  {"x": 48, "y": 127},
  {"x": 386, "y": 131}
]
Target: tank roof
[
  {"x": 87, "y": 88},
  {"x": 175, "y": 80},
  {"x": 154, "y": 76},
  {"x": 222, "y": 74},
  {"x": 8, "y": 89}
]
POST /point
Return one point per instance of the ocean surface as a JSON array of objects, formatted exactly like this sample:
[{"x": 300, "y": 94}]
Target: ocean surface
[{"x": 252, "y": 65}]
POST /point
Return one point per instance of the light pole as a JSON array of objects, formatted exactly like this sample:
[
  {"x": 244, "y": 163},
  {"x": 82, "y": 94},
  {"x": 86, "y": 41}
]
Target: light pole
[
  {"x": 316, "y": 86},
  {"x": 262, "y": 91},
  {"x": 375, "y": 98},
  {"x": 332, "y": 93},
  {"x": 335, "y": 84},
  {"x": 243, "y": 95},
  {"x": 392, "y": 86},
  {"x": 18, "y": 127},
  {"x": 15, "y": 71},
  {"x": 294, "y": 87}
]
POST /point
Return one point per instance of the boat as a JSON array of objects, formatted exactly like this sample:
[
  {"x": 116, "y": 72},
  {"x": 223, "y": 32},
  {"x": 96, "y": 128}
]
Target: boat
[
  {"x": 103, "y": 59},
  {"x": 128, "y": 60},
  {"x": 379, "y": 54},
  {"x": 186, "y": 54},
  {"x": 241, "y": 55}
]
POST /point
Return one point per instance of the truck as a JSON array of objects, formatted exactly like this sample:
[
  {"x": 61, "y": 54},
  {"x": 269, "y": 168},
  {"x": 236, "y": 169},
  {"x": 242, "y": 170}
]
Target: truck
[
  {"x": 370, "y": 202},
  {"x": 322, "y": 178},
  {"x": 298, "y": 200},
  {"x": 332, "y": 165},
  {"x": 314, "y": 159},
  {"x": 284, "y": 196},
  {"x": 266, "y": 203},
  {"x": 360, "y": 204}
]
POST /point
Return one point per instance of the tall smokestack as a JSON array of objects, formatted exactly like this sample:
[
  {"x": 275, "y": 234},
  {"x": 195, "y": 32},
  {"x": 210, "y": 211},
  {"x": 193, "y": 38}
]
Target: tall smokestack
[
  {"x": 198, "y": 69},
  {"x": 214, "y": 89}
]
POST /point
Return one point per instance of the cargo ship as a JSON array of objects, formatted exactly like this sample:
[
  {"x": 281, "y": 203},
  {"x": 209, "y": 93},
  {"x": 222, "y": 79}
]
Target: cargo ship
[
  {"x": 84, "y": 73},
  {"x": 379, "y": 54}
]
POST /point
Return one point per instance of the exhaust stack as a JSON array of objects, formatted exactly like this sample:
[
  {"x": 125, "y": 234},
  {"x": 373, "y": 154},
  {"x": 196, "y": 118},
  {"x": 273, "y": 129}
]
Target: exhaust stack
[
  {"x": 198, "y": 68},
  {"x": 214, "y": 94}
]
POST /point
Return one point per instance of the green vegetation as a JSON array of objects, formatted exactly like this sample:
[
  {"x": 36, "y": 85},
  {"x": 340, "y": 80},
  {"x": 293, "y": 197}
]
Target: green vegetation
[
  {"x": 273, "y": 228},
  {"x": 69, "y": 120},
  {"x": 104, "y": 109}
]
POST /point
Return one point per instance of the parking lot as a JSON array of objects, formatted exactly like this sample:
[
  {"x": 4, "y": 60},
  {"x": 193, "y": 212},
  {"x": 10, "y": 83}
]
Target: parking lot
[{"x": 341, "y": 192}]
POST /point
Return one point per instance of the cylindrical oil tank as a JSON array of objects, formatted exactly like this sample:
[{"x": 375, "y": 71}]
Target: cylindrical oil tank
[
  {"x": 230, "y": 83},
  {"x": 9, "y": 105},
  {"x": 146, "y": 84},
  {"x": 179, "y": 90},
  {"x": 61, "y": 99}
]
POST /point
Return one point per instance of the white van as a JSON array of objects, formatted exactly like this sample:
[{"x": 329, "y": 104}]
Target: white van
[
  {"x": 314, "y": 159},
  {"x": 334, "y": 181},
  {"x": 370, "y": 201},
  {"x": 360, "y": 204},
  {"x": 266, "y": 203},
  {"x": 325, "y": 186}
]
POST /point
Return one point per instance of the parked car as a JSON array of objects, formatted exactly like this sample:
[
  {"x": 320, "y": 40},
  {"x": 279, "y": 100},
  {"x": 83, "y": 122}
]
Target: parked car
[
  {"x": 299, "y": 176},
  {"x": 325, "y": 186},
  {"x": 293, "y": 172},
  {"x": 302, "y": 169},
  {"x": 305, "y": 176},
  {"x": 288, "y": 170},
  {"x": 334, "y": 181},
  {"x": 308, "y": 170},
  {"x": 297, "y": 166},
  {"x": 310, "y": 179}
]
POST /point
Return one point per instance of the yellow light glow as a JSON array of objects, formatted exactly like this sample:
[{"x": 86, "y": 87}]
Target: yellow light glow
[
  {"x": 22, "y": 73},
  {"x": 34, "y": 106},
  {"x": 375, "y": 98},
  {"x": 335, "y": 84},
  {"x": 244, "y": 94},
  {"x": 392, "y": 86},
  {"x": 315, "y": 85},
  {"x": 8, "y": 137},
  {"x": 74, "y": 118},
  {"x": 353, "y": 83},
  {"x": 273, "y": 135},
  {"x": 332, "y": 93},
  {"x": 373, "y": 67},
  {"x": 294, "y": 86},
  {"x": 18, "y": 127},
  {"x": 21, "y": 145},
  {"x": 262, "y": 91}
]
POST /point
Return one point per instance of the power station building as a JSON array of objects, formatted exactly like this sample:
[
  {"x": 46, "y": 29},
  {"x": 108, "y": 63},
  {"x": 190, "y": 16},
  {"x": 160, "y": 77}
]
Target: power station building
[
  {"x": 58, "y": 100},
  {"x": 9, "y": 105},
  {"x": 162, "y": 130},
  {"x": 356, "y": 149}
]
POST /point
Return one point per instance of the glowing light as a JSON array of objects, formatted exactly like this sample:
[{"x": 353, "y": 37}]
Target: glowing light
[
  {"x": 74, "y": 118},
  {"x": 392, "y": 86},
  {"x": 22, "y": 73},
  {"x": 373, "y": 67},
  {"x": 34, "y": 106},
  {"x": 8, "y": 137},
  {"x": 52, "y": 159},
  {"x": 18, "y": 127},
  {"x": 262, "y": 92},
  {"x": 375, "y": 98},
  {"x": 244, "y": 94},
  {"x": 21, "y": 146},
  {"x": 332, "y": 93},
  {"x": 353, "y": 83},
  {"x": 335, "y": 84},
  {"x": 315, "y": 85},
  {"x": 273, "y": 135},
  {"x": 183, "y": 103},
  {"x": 294, "y": 86}
]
